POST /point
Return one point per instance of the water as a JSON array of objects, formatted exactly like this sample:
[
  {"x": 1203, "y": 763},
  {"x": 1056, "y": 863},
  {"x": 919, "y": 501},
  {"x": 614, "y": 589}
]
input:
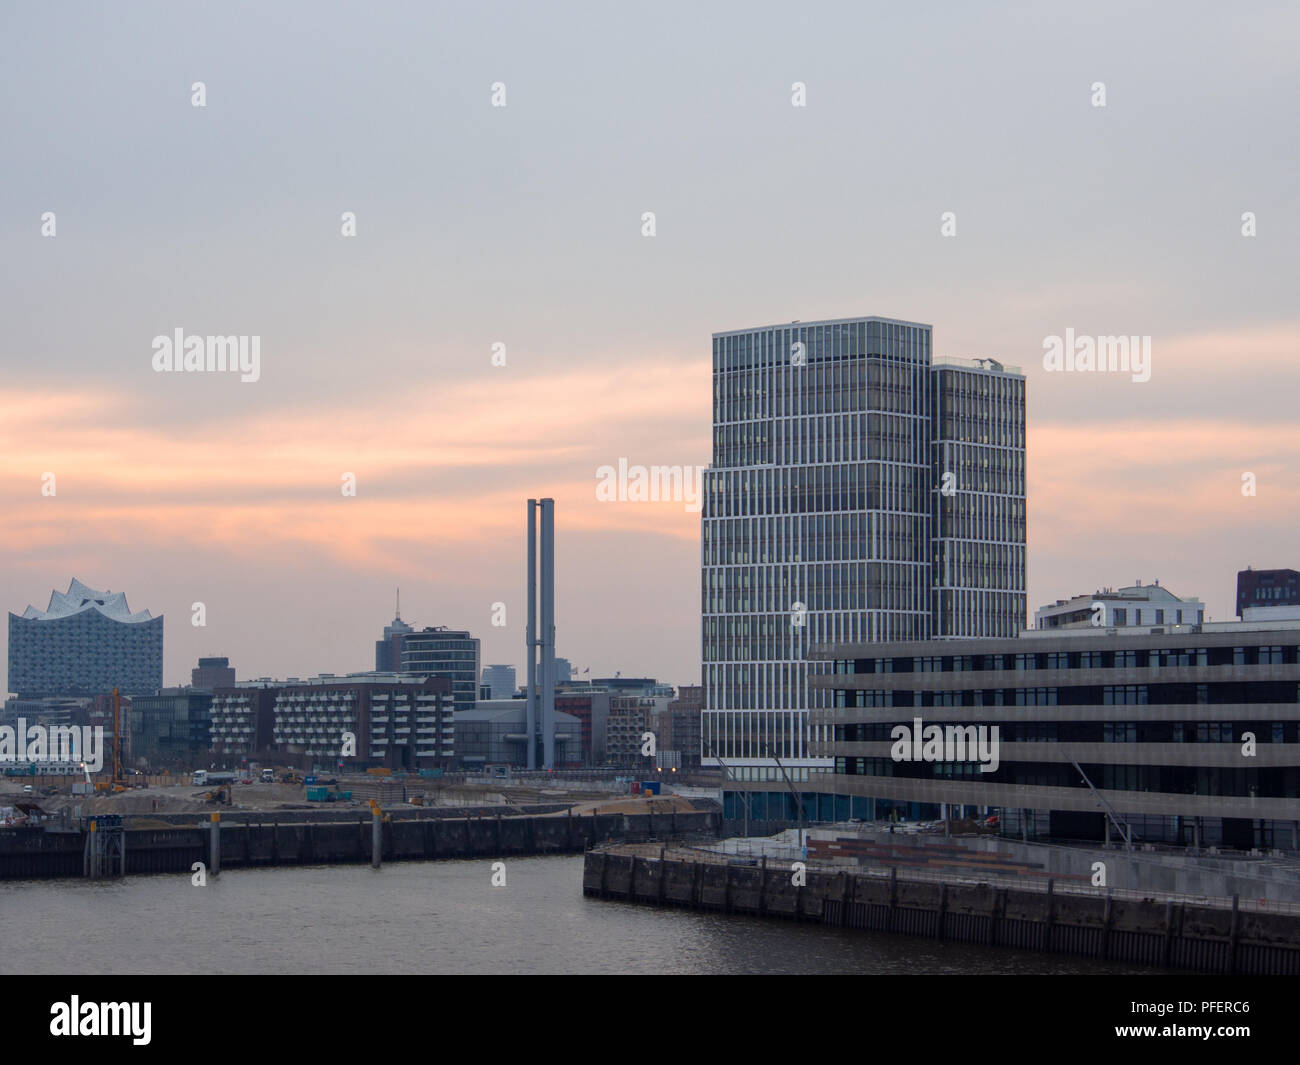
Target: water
[{"x": 435, "y": 917}]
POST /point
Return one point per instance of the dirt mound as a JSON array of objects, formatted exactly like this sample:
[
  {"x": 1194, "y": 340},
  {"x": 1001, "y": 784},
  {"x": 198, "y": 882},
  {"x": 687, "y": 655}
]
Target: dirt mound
[{"x": 666, "y": 804}]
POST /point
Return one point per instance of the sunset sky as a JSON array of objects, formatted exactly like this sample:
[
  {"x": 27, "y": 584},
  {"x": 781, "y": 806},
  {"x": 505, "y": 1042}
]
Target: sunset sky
[{"x": 521, "y": 225}]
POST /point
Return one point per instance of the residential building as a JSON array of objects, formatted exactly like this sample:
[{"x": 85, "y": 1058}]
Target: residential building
[
  {"x": 387, "y": 720},
  {"x": 243, "y": 721},
  {"x": 630, "y": 718},
  {"x": 682, "y": 726},
  {"x": 1136, "y": 606}
]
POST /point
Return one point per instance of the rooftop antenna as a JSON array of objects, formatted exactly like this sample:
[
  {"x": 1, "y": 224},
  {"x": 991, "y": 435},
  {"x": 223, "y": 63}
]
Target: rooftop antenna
[{"x": 399, "y": 604}]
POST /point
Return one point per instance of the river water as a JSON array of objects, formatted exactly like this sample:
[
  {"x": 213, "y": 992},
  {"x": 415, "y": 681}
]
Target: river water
[{"x": 435, "y": 917}]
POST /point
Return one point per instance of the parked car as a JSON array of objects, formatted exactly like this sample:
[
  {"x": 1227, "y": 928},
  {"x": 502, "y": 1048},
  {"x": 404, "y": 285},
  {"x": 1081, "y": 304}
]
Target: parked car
[{"x": 28, "y": 789}]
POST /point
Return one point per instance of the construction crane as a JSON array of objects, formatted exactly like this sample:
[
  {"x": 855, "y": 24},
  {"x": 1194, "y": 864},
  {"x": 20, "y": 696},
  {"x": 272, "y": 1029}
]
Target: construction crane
[
  {"x": 117, "y": 741},
  {"x": 118, "y": 783}
]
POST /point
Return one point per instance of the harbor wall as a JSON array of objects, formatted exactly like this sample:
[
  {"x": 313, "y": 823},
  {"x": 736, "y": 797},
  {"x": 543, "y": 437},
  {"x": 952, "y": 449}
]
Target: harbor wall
[
  {"x": 1159, "y": 933},
  {"x": 1152, "y": 872},
  {"x": 33, "y": 853}
]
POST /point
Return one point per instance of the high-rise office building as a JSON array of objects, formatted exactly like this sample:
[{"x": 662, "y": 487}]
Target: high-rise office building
[
  {"x": 449, "y": 653},
  {"x": 860, "y": 490},
  {"x": 977, "y": 476},
  {"x": 388, "y": 651},
  {"x": 212, "y": 673}
]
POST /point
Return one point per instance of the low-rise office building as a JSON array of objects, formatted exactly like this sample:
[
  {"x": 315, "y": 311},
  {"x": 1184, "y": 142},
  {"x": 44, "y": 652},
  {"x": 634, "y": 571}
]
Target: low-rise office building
[
  {"x": 172, "y": 728},
  {"x": 1188, "y": 737}
]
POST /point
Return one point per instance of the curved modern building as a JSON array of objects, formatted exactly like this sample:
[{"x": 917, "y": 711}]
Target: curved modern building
[{"x": 84, "y": 643}]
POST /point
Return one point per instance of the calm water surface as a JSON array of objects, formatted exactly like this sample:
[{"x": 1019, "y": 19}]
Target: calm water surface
[{"x": 435, "y": 917}]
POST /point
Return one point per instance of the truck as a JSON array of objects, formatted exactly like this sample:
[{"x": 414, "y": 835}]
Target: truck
[
  {"x": 203, "y": 777},
  {"x": 268, "y": 776}
]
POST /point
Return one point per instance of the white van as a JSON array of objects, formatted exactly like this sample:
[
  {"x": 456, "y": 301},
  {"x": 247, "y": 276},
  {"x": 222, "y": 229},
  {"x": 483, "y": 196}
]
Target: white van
[{"x": 268, "y": 776}]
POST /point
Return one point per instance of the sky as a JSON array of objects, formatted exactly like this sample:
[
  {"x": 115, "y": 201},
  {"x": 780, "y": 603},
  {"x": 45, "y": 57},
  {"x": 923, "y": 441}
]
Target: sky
[{"x": 522, "y": 225}]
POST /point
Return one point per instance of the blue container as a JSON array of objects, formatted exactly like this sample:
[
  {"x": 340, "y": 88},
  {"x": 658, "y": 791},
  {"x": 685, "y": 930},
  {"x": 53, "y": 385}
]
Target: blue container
[{"x": 650, "y": 787}]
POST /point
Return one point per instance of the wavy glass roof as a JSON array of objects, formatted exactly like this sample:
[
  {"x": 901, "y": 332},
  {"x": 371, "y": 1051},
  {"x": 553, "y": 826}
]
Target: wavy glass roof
[{"x": 79, "y": 598}]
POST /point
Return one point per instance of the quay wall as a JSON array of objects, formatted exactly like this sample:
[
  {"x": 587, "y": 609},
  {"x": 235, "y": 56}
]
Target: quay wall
[
  {"x": 33, "y": 853},
  {"x": 1158, "y": 933}
]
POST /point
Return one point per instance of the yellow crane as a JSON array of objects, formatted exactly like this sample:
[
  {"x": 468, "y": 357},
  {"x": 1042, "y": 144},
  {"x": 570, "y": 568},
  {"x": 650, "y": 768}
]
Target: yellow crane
[{"x": 117, "y": 784}]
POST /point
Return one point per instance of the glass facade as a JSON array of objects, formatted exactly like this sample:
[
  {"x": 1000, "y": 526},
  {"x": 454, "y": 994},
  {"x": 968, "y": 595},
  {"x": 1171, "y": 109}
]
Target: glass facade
[
  {"x": 1192, "y": 737},
  {"x": 820, "y": 517},
  {"x": 453, "y": 655},
  {"x": 979, "y": 511}
]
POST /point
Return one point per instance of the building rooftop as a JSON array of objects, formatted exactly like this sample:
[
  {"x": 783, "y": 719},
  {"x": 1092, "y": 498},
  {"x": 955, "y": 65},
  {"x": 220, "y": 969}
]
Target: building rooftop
[
  {"x": 957, "y": 362},
  {"x": 80, "y": 598},
  {"x": 824, "y": 321}
]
